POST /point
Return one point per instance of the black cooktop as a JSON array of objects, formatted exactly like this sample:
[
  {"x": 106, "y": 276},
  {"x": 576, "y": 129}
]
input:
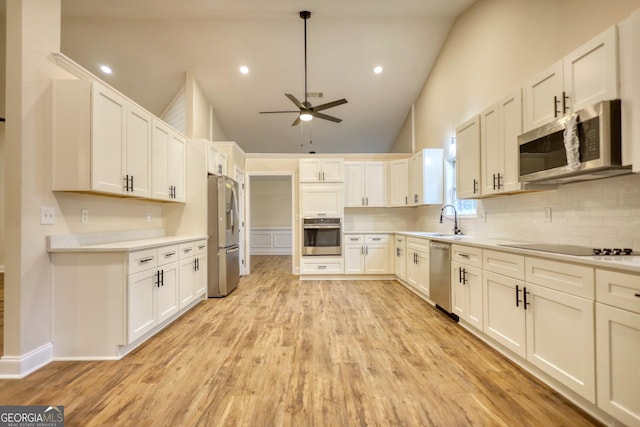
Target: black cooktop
[{"x": 569, "y": 249}]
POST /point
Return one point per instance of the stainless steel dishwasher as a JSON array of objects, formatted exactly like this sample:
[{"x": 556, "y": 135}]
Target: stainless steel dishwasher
[{"x": 440, "y": 276}]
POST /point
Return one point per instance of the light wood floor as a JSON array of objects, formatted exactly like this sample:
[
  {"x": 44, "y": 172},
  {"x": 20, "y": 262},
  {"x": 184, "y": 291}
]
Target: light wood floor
[{"x": 280, "y": 352}]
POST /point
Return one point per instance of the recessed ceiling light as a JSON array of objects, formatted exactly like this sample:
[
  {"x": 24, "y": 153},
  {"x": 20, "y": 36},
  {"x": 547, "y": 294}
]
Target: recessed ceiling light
[
  {"x": 377, "y": 69},
  {"x": 106, "y": 69},
  {"x": 244, "y": 69}
]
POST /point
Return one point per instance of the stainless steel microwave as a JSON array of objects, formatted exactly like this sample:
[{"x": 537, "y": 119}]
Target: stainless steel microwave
[{"x": 543, "y": 157}]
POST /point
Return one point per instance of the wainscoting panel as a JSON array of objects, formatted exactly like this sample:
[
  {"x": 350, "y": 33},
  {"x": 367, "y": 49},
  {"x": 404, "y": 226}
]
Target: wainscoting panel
[{"x": 271, "y": 241}]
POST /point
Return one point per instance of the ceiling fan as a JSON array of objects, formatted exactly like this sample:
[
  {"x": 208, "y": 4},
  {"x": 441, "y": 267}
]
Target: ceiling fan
[{"x": 306, "y": 111}]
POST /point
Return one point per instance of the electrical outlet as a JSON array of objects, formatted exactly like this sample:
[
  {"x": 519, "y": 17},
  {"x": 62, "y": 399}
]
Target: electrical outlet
[
  {"x": 147, "y": 217},
  {"x": 483, "y": 215},
  {"x": 547, "y": 215},
  {"x": 85, "y": 215},
  {"x": 47, "y": 215}
]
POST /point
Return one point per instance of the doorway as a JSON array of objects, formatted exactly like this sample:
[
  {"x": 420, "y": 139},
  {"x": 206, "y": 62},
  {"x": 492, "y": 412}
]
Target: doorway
[{"x": 270, "y": 219}]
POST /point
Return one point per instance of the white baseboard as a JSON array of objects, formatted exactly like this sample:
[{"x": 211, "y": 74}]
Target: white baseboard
[{"x": 14, "y": 367}]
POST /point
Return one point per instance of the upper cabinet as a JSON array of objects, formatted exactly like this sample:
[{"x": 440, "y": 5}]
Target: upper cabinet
[
  {"x": 399, "y": 182},
  {"x": 586, "y": 76},
  {"x": 168, "y": 163},
  {"x": 500, "y": 126},
  {"x": 426, "y": 177},
  {"x": 103, "y": 142},
  {"x": 468, "y": 160},
  {"x": 216, "y": 160},
  {"x": 365, "y": 184},
  {"x": 321, "y": 170}
]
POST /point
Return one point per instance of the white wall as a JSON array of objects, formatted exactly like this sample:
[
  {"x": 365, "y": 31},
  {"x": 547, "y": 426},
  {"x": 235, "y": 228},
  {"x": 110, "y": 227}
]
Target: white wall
[
  {"x": 2, "y": 205},
  {"x": 493, "y": 48},
  {"x": 271, "y": 201}
]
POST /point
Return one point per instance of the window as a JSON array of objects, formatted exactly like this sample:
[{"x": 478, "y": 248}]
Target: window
[{"x": 466, "y": 208}]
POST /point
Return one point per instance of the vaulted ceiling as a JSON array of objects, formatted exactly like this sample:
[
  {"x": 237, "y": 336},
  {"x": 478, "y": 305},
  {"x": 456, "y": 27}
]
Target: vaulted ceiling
[{"x": 152, "y": 44}]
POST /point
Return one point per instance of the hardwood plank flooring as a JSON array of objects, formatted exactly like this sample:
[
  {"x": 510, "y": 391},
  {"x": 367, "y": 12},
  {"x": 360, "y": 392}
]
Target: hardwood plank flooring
[{"x": 280, "y": 352}]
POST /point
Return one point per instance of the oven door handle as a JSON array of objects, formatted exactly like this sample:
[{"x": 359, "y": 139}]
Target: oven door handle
[{"x": 337, "y": 227}]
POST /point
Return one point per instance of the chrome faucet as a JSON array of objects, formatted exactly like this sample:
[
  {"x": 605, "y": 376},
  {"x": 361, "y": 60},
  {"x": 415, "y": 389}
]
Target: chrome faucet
[{"x": 456, "y": 230}]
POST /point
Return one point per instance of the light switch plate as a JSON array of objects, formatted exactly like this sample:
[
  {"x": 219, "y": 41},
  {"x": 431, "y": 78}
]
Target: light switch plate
[
  {"x": 147, "y": 217},
  {"x": 47, "y": 215},
  {"x": 547, "y": 215},
  {"x": 85, "y": 215}
]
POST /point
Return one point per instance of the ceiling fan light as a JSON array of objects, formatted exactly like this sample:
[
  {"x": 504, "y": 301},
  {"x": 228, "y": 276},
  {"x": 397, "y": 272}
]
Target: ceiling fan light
[{"x": 306, "y": 117}]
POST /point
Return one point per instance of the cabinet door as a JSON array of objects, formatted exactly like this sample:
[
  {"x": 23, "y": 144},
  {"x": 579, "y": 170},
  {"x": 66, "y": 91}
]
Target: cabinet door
[
  {"x": 399, "y": 183},
  {"x": 310, "y": 170},
  {"x": 377, "y": 258},
  {"x": 160, "y": 153},
  {"x": 618, "y": 347},
  {"x": 413, "y": 270},
  {"x": 213, "y": 167},
  {"x": 167, "y": 291},
  {"x": 401, "y": 258},
  {"x": 177, "y": 167},
  {"x": 503, "y": 320},
  {"x": 354, "y": 182},
  {"x": 354, "y": 259},
  {"x": 138, "y": 150},
  {"x": 321, "y": 201},
  {"x": 200, "y": 282},
  {"x": 511, "y": 127},
  {"x": 492, "y": 151},
  {"x": 108, "y": 140},
  {"x": 560, "y": 338},
  {"x": 591, "y": 71},
  {"x": 466, "y": 284},
  {"x": 141, "y": 304},
  {"x": 468, "y": 159},
  {"x": 418, "y": 267},
  {"x": 416, "y": 176},
  {"x": 543, "y": 97},
  {"x": 332, "y": 170},
  {"x": 458, "y": 291},
  {"x": 375, "y": 184},
  {"x": 187, "y": 272}
]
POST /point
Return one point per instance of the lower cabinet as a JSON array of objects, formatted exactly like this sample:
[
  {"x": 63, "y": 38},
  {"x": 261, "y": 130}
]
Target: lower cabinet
[
  {"x": 418, "y": 264},
  {"x": 319, "y": 265},
  {"x": 400, "y": 264},
  {"x": 193, "y": 271},
  {"x": 466, "y": 284}
]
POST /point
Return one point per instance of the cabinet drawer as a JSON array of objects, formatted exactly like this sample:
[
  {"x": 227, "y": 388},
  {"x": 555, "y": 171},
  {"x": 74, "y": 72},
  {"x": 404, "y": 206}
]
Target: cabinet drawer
[
  {"x": 142, "y": 260},
  {"x": 167, "y": 254},
  {"x": 467, "y": 255},
  {"x": 353, "y": 238},
  {"x": 322, "y": 266},
  {"x": 187, "y": 250},
  {"x": 200, "y": 247},
  {"x": 420, "y": 243},
  {"x": 504, "y": 263},
  {"x": 620, "y": 290},
  {"x": 376, "y": 238},
  {"x": 565, "y": 277},
  {"x": 399, "y": 239}
]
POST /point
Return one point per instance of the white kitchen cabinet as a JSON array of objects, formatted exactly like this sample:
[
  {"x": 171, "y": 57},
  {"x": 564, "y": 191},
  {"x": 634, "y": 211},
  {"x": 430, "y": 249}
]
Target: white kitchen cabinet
[
  {"x": 466, "y": 284},
  {"x": 367, "y": 254},
  {"x": 142, "y": 308},
  {"x": 167, "y": 291},
  {"x": 560, "y": 337},
  {"x": 400, "y": 257},
  {"x": 101, "y": 140},
  {"x": 629, "y": 49},
  {"x": 168, "y": 163},
  {"x": 426, "y": 177},
  {"x": 321, "y": 170},
  {"x": 193, "y": 271},
  {"x": 503, "y": 314},
  {"x": 399, "y": 182},
  {"x": 365, "y": 184},
  {"x": 586, "y": 76},
  {"x": 618, "y": 344},
  {"x": 468, "y": 172},
  {"x": 321, "y": 200},
  {"x": 500, "y": 126},
  {"x": 216, "y": 160},
  {"x": 418, "y": 264},
  {"x": 200, "y": 279},
  {"x": 321, "y": 265}
]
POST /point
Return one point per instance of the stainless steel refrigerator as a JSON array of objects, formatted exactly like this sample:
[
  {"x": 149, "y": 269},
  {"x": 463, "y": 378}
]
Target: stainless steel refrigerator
[{"x": 224, "y": 230}]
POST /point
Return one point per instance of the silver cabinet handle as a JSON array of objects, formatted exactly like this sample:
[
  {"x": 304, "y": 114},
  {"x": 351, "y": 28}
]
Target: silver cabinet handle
[
  {"x": 169, "y": 254},
  {"x": 354, "y": 239},
  {"x": 202, "y": 246},
  {"x": 146, "y": 260},
  {"x": 322, "y": 267},
  {"x": 377, "y": 239},
  {"x": 188, "y": 249},
  {"x": 464, "y": 255}
]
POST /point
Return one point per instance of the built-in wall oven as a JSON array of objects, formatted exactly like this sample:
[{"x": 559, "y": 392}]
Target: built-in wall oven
[{"x": 322, "y": 236}]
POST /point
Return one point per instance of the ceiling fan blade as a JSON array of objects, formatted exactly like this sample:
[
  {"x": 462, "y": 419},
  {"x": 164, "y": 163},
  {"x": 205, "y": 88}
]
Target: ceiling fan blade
[
  {"x": 275, "y": 112},
  {"x": 296, "y": 122},
  {"x": 329, "y": 105},
  {"x": 327, "y": 117},
  {"x": 295, "y": 101}
]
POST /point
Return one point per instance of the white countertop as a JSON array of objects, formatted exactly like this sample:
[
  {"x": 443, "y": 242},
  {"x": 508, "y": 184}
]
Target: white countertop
[
  {"x": 629, "y": 263},
  {"x": 126, "y": 241}
]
